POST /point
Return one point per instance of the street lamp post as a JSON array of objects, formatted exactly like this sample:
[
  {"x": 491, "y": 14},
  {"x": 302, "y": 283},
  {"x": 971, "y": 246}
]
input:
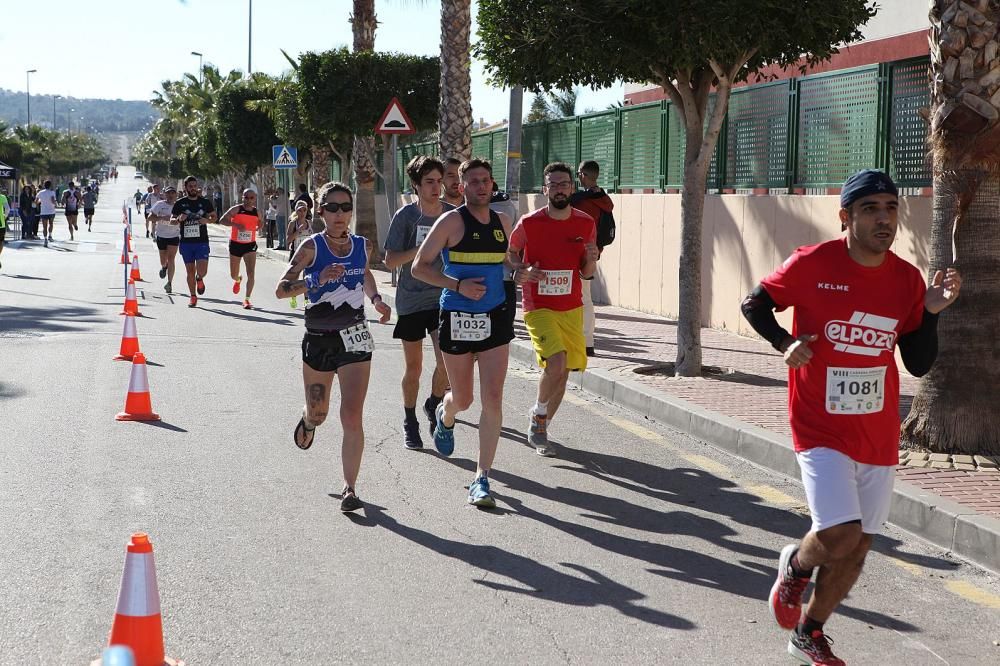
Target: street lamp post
[
  {"x": 201, "y": 68},
  {"x": 249, "y": 35},
  {"x": 54, "y": 98},
  {"x": 27, "y": 88}
]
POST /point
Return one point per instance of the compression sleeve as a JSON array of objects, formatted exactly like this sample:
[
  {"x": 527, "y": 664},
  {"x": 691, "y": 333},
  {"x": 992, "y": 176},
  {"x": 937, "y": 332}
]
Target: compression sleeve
[
  {"x": 758, "y": 308},
  {"x": 918, "y": 348}
]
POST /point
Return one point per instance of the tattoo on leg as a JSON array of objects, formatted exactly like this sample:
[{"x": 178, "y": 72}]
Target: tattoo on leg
[{"x": 317, "y": 393}]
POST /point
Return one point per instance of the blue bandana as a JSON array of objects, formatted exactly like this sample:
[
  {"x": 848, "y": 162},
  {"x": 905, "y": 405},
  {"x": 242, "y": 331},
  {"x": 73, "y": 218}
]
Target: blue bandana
[{"x": 865, "y": 183}]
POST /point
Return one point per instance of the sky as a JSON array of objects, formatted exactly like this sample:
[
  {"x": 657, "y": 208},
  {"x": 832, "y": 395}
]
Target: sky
[{"x": 123, "y": 49}]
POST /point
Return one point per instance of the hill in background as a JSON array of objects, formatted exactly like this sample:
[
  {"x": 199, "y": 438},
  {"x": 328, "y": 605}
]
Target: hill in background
[{"x": 88, "y": 115}]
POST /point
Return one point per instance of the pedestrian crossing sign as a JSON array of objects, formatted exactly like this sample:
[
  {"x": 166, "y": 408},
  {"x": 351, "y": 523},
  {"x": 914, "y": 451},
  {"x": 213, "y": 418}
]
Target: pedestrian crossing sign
[{"x": 284, "y": 157}]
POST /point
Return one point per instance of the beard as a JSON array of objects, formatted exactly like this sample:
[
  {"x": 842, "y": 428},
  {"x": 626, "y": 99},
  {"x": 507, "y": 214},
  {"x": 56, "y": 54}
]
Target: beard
[{"x": 559, "y": 204}]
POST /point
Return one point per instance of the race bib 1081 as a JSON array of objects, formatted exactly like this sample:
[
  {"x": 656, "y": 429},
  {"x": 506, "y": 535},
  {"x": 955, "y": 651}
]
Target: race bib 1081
[{"x": 855, "y": 390}]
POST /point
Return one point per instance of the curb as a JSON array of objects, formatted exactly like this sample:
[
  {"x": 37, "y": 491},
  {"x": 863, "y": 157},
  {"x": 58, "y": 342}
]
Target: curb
[{"x": 946, "y": 524}]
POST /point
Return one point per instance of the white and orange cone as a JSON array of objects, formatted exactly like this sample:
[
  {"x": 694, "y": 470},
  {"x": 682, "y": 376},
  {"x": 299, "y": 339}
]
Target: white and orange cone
[
  {"x": 138, "y": 406},
  {"x": 124, "y": 252},
  {"x": 131, "y": 304},
  {"x": 135, "y": 268},
  {"x": 138, "y": 624},
  {"x": 130, "y": 341}
]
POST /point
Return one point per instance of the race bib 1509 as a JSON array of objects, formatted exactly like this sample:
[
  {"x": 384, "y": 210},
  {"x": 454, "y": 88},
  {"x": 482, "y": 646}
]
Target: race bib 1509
[
  {"x": 855, "y": 390},
  {"x": 555, "y": 283}
]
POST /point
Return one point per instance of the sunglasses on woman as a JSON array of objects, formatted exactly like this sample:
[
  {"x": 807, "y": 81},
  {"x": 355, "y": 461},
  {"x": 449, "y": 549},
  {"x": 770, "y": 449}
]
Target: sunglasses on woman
[{"x": 347, "y": 207}]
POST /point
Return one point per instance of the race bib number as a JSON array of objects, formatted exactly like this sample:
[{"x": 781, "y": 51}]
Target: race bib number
[
  {"x": 244, "y": 236},
  {"x": 470, "y": 327},
  {"x": 192, "y": 230},
  {"x": 555, "y": 283},
  {"x": 358, "y": 338},
  {"x": 855, "y": 390},
  {"x": 422, "y": 231}
]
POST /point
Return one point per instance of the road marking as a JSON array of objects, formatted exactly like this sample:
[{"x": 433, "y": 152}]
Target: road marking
[
  {"x": 970, "y": 592},
  {"x": 772, "y": 495},
  {"x": 707, "y": 464},
  {"x": 909, "y": 567},
  {"x": 637, "y": 430}
]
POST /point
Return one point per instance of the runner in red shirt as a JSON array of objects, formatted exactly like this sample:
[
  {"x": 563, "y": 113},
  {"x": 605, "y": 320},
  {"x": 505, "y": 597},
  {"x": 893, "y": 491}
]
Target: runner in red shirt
[
  {"x": 557, "y": 246},
  {"x": 854, "y": 300}
]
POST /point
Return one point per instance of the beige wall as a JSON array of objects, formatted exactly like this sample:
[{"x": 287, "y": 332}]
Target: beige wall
[{"x": 744, "y": 238}]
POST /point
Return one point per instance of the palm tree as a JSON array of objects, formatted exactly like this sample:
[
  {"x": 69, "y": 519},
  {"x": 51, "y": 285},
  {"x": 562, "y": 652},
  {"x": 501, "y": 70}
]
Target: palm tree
[
  {"x": 363, "y": 25},
  {"x": 455, "y": 112},
  {"x": 954, "y": 410}
]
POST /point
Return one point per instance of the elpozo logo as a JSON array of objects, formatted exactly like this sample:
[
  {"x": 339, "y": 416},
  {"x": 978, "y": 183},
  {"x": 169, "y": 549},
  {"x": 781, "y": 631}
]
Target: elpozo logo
[{"x": 865, "y": 334}]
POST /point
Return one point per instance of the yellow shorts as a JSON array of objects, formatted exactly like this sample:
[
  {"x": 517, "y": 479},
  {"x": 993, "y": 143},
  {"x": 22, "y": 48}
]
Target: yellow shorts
[{"x": 553, "y": 331}]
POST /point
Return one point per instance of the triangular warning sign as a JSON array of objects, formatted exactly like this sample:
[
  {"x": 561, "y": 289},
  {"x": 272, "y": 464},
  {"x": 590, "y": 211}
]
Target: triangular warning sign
[
  {"x": 285, "y": 158},
  {"x": 394, "y": 120}
]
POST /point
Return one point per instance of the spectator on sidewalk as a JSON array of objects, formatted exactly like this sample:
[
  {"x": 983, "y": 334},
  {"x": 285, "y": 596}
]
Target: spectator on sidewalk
[
  {"x": 593, "y": 201},
  {"x": 4, "y": 212},
  {"x": 304, "y": 196},
  {"x": 280, "y": 219},
  {"x": 853, "y": 300},
  {"x": 29, "y": 222},
  {"x": 271, "y": 217}
]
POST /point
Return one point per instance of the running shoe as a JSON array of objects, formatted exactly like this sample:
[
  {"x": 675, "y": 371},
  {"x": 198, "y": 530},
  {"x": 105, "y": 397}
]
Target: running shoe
[
  {"x": 591, "y": 352},
  {"x": 813, "y": 649},
  {"x": 444, "y": 437},
  {"x": 349, "y": 500},
  {"x": 539, "y": 438},
  {"x": 193, "y": 302},
  {"x": 247, "y": 305},
  {"x": 46, "y": 243},
  {"x": 411, "y": 435},
  {"x": 163, "y": 272},
  {"x": 479, "y": 493},
  {"x": 785, "y": 601},
  {"x": 147, "y": 234},
  {"x": 293, "y": 302},
  {"x": 168, "y": 288},
  {"x": 200, "y": 284},
  {"x": 236, "y": 284},
  {"x": 429, "y": 412}
]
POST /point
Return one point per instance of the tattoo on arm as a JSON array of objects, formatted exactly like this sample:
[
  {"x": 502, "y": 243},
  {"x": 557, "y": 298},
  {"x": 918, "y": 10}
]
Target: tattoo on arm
[{"x": 288, "y": 286}]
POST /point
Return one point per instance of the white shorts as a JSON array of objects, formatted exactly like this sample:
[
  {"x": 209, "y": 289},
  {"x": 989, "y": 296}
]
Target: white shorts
[{"x": 840, "y": 490}]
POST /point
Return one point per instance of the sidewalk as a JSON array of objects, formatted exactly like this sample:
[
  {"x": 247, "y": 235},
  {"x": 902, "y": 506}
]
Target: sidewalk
[{"x": 742, "y": 408}]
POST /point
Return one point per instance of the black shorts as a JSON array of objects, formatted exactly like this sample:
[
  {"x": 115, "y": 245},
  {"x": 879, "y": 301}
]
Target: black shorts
[
  {"x": 416, "y": 325},
  {"x": 3, "y": 233},
  {"x": 71, "y": 213},
  {"x": 501, "y": 333},
  {"x": 324, "y": 352},
  {"x": 510, "y": 292},
  {"x": 164, "y": 243},
  {"x": 239, "y": 249},
  {"x": 47, "y": 218},
  {"x": 88, "y": 212}
]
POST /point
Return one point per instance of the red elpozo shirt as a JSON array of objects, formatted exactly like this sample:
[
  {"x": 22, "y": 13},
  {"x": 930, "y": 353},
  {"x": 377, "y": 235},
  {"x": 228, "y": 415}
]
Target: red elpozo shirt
[{"x": 847, "y": 397}]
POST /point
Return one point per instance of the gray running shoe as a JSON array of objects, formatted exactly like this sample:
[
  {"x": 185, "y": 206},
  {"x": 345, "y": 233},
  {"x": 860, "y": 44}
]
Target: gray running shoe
[{"x": 539, "y": 438}]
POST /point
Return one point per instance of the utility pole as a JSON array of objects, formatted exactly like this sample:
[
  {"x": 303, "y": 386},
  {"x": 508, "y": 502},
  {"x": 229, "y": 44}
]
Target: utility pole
[
  {"x": 27, "y": 89},
  {"x": 201, "y": 66},
  {"x": 514, "y": 143},
  {"x": 249, "y": 36}
]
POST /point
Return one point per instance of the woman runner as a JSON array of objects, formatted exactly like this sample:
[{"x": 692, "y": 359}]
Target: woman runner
[
  {"x": 246, "y": 224},
  {"x": 337, "y": 340}
]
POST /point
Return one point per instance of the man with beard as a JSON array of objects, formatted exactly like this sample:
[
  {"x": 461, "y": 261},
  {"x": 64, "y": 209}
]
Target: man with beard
[
  {"x": 452, "y": 183},
  {"x": 192, "y": 213},
  {"x": 558, "y": 245}
]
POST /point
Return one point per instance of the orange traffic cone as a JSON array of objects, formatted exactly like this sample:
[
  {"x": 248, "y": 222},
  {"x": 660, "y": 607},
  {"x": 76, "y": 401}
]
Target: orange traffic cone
[
  {"x": 131, "y": 304},
  {"x": 124, "y": 253},
  {"x": 135, "y": 268},
  {"x": 137, "y": 404},
  {"x": 130, "y": 341},
  {"x": 137, "y": 622}
]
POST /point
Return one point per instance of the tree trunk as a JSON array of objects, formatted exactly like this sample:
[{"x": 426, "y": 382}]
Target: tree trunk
[
  {"x": 954, "y": 410},
  {"x": 455, "y": 110},
  {"x": 365, "y": 223},
  {"x": 363, "y": 25},
  {"x": 688, "y": 360},
  {"x": 320, "y": 166}
]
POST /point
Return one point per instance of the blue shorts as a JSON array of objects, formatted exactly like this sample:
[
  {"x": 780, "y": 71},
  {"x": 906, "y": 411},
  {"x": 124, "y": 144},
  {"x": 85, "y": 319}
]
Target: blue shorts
[{"x": 192, "y": 252}]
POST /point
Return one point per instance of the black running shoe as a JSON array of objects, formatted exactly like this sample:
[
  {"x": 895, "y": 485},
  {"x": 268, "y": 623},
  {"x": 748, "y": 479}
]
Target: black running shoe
[
  {"x": 350, "y": 501},
  {"x": 429, "y": 407},
  {"x": 411, "y": 435},
  {"x": 163, "y": 272}
]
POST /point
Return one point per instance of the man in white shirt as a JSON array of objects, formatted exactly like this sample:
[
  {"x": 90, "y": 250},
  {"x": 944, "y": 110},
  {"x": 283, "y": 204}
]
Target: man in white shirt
[{"x": 46, "y": 202}]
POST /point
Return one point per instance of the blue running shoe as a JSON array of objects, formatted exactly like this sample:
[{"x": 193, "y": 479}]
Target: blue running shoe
[
  {"x": 479, "y": 493},
  {"x": 444, "y": 437}
]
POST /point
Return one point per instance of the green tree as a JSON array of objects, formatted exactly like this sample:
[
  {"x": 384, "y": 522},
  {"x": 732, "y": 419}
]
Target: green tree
[
  {"x": 331, "y": 101},
  {"x": 954, "y": 410},
  {"x": 539, "y": 110},
  {"x": 689, "y": 48},
  {"x": 563, "y": 102},
  {"x": 245, "y": 136}
]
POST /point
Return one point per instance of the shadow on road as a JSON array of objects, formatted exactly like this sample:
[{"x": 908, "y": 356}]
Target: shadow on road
[
  {"x": 49, "y": 319},
  {"x": 23, "y": 277},
  {"x": 247, "y": 317},
  {"x": 163, "y": 425},
  {"x": 588, "y": 588},
  {"x": 9, "y": 391}
]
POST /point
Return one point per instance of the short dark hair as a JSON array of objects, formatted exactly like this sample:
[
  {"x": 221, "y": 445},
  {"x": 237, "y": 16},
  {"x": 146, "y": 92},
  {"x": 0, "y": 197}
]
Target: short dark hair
[
  {"x": 452, "y": 161},
  {"x": 47, "y": 184},
  {"x": 590, "y": 167},
  {"x": 474, "y": 163},
  {"x": 302, "y": 188},
  {"x": 333, "y": 186},
  {"x": 189, "y": 179},
  {"x": 557, "y": 167},
  {"x": 421, "y": 165}
]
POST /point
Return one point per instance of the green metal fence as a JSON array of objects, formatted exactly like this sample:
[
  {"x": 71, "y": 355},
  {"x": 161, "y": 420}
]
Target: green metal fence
[{"x": 807, "y": 132}]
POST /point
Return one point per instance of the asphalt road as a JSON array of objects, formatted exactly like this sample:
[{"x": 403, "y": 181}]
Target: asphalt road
[{"x": 635, "y": 545}]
